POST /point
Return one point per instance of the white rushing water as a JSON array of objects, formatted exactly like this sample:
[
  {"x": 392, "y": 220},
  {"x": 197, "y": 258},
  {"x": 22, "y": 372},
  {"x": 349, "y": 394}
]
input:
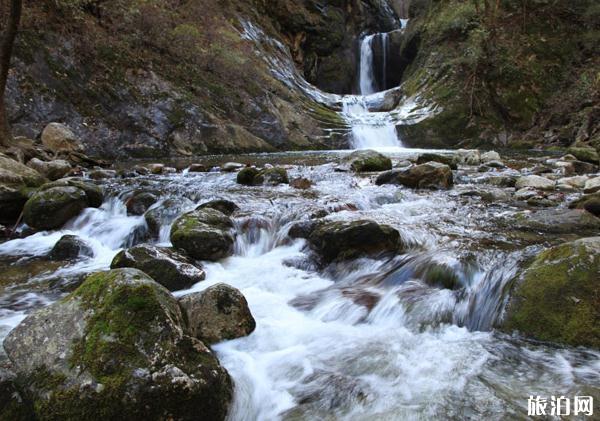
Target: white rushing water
[
  {"x": 366, "y": 75},
  {"x": 353, "y": 342}
]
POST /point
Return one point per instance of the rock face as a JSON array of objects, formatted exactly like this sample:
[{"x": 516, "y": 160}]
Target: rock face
[
  {"x": 57, "y": 202},
  {"x": 204, "y": 234},
  {"x": 164, "y": 265},
  {"x": 70, "y": 247},
  {"x": 17, "y": 183},
  {"x": 556, "y": 298},
  {"x": 367, "y": 161},
  {"x": 431, "y": 175},
  {"x": 348, "y": 240},
  {"x": 218, "y": 313},
  {"x": 59, "y": 138},
  {"x": 52, "y": 170},
  {"x": 116, "y": 347}
]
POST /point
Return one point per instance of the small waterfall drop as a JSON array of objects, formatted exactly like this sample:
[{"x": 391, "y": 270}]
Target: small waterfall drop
[{"x": 366, "y": 76}]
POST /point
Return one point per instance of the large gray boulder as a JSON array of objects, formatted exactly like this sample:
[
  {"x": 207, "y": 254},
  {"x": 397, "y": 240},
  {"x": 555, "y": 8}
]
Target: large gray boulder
[
  {"x": 218, "y": 313},
  {"x": 367, "y": 161},
  {"x": 167, "y": 267},
  {"x": 204, "y": 234},
  {"x": 59, "y": 138},
  {"x": 52, "y": 170},
  {"x": 116, "y": 349},
  {"x": 432, "y": 175}
]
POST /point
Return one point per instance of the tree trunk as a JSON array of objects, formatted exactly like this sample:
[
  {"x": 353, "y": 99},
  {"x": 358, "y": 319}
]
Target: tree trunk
[{"x": 6, "y": 47}]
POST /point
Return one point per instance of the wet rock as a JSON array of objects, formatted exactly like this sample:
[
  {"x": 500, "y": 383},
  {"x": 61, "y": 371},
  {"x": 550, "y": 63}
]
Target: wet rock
[
  {"x": 169, "y": 170},
  {"x": 577, "y": 182},
  {"x": 225, "y": 206},
  {"x": 585, "y": 154},
  {"x": 526, "y": 193},
  {"x": 167, "y": 267},
  {"x": 301, "y": 183},
  {"x": 218, "y": 313},
  {"x": 439, "y": 275},
  {"x": 141, "y": 170},
  {"x": 100, "y": 174},
  {"x": 589, "y": 202},
  {"x": 303, "y": 229},
  {"x": 246, "y": 176},
  {"x": 592, "y": 185},
  {"x": 231, "y": 166},
  {"x": 165, "y": 214},
  {"x": 490, "y": 156},
  {"x": 59, "y": 138},
  {"x": 271, "y": 177},
  {"x": 432, "y": 175},
  {"x": 140, "y": 202},
  {"x": 555, "y": 299},
  {"x": 17, "y": 184},
  {"x": 70, "y": 247},
  {"x": 198, "y": 168},
  {"x": 556, "y": 221},
  {"x": 349, "y": 240},
  {"x": 469, "y": 156},
  {"x": 536, "y": 182},
  {"x": 451, "y": 161},
  {"x": 93, "y": 193},
  {"x": 116, "y": 343},
  {"x": 52, "y": 170},
  {"x": 156, "y": 168},
  {"x": 204, "y": 234},
  {"x": 582, "y": 168},
  {"x": 51, "y": 208},
  {"x": 367, "y": 161}
]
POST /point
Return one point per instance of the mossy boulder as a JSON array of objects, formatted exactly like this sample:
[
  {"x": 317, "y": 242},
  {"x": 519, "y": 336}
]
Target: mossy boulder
[
  {"x": 70, "y": 247},
  {"x": 167, "y": 267},
  {"x": 367, "y": 161},
  {"x": 585, "y": 154},
  {"x": 431, "y": 175},
  {"x": 218, "y": 313},
  {"x": 246, "y": 176},
  {"x": 271, "y": 177},
  {"x": 93, "y": 193},
  {"x": 52, "y": 208},
  {"x": 53, "y": 170},
  {"x": 17, "y": 184},
  {"x": 556, "y": 297},
  {"x": 349, "y": 240},
  {"x": 225, "y": 206},
  {"x": 204, "y": 234},
  {"x": 116, "y": 349}
]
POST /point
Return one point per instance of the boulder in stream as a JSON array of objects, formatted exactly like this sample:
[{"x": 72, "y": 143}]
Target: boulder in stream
[
  {"x": 166, "y": 213},
  {"x": 70, "y": 247},
  {"x": 341, "y": 240},
  {"x": 140, "y": 202},
  {"x": 116, "y": 349},
  {"x": 218, "y": 313},
  {"x": 17, "y": 184},
  {"x": 52, "y": 170},
  {"x": 449, "y": 160},
  {"x": 59, "y": 138},
  {"x": 204, "y": 234},
  {"x": 51, "y": 208},
  {"x": 367, "y": 161},
  {"x": 225, "y": 206},
  {"x": 589, "y": 202},
  {"x": 431, "y": 175},
  {"x": 555, "y": 221},
  {"x": 556, "y": 297},
  {"x": 167, "y": 267},
  {"x": 536, "y": 182}
]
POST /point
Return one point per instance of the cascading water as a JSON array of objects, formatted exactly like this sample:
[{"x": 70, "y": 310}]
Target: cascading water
[{"x": 366, "y": 74}]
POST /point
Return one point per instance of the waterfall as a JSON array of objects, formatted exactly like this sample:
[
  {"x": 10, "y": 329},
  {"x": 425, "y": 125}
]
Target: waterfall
[{"x": 366, "y": 76}]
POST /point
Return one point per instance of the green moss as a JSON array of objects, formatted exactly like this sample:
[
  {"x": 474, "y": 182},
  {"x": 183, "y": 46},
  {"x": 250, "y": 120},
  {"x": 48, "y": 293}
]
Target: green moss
[{"x": 557, "y": 298}]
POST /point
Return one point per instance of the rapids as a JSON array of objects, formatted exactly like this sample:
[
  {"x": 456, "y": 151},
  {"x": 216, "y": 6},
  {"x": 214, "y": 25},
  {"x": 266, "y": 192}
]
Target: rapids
[{"x": 354, "y": 341}]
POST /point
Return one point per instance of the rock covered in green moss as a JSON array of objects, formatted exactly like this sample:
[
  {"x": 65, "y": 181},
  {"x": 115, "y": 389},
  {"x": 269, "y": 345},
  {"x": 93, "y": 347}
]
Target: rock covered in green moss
[
  {"x": 204, "y": 234},
  {"x": 218, "y": 313},
  {"x": 367, "y": 161},
  {"x": 348, "y": 240},
  {"x": 556, "y": 298},
  {"x": 589, "y": 202},
  {"x": 57, "y": 202},
  {"x": 246, "y": 176},
  {"x": 53, "y": 170},
  {"x": 271, "y": 177},
  {"x": 449, "y": 160},
  {"x": 167, "y": 267},
  {"x": 116, "y": 349},
  {"x": 17, "y": 183},
  {"x": 585, "y": 154},
  {"x": 431, "y": 175}
]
